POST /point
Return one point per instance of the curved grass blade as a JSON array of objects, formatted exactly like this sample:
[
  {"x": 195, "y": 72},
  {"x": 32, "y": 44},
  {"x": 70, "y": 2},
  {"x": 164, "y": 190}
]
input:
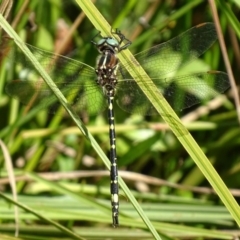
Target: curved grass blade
[
  {"x": 38, "y": 215},
  {"x": 54, "y": 89},
  {"x": 165, "y": 110}
]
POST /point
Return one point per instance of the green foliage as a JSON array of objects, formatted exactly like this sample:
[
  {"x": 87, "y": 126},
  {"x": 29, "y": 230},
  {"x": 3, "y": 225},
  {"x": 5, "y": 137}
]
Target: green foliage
[{"x": 76, "y": 192}]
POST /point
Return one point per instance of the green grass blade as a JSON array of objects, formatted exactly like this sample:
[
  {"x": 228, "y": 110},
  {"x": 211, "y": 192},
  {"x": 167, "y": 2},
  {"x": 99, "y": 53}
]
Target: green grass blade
[
  {"x": 57, "y": 92},
  {"x": 225, "y": 8},
  {"x": 76, "y": 119},
  {"x": 168, "y": 115},
  {"x": 100, "y": 23},
  {"x": 57, "y": 225}
]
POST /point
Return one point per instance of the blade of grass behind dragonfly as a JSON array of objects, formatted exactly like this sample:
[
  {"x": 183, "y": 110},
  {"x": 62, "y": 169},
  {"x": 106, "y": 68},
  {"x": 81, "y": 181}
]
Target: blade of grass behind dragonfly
[
  {"x": 100, "y": 23},
  {"x": 225, "y": 8},
  {"x": 168, "y": 115},
  {"x": 40, "y": 216}
]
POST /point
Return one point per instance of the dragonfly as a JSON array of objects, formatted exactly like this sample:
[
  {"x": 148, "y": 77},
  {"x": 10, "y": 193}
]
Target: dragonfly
[{"x": 95, "y": 89}]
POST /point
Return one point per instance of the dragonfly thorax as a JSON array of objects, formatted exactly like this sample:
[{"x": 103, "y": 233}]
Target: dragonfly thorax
[
  {"x": 108, "y": 44},
  {"x": 106, "y": 70}
]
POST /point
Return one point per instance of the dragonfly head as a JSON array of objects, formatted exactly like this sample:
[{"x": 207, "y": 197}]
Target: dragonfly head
[{"x": 108, "y": 44}]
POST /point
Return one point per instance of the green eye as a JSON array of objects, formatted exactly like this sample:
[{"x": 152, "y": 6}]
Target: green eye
[
  {"x": 112, "y": 42},
  {"x": 100, "y": 42}
]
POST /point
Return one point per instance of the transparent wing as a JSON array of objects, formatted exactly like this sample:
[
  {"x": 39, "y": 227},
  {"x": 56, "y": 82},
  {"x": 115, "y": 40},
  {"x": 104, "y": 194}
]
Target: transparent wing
[
  {"x": 175, "y": 53},
  {"x": 181, "y": 92},
  {"x": 76, "y": 80}
]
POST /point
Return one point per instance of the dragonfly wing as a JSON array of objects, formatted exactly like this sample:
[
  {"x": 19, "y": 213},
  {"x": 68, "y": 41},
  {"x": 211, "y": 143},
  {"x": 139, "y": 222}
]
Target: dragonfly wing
[
  {"x": 186, "y": 91},
  {"x": 75, "y": 79},
  {"x": 131, "y": 98},
  {"x": 172, "y": 55},
  {"x": 180, "y": 92},
  {"x": 83, "y": 98}
]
